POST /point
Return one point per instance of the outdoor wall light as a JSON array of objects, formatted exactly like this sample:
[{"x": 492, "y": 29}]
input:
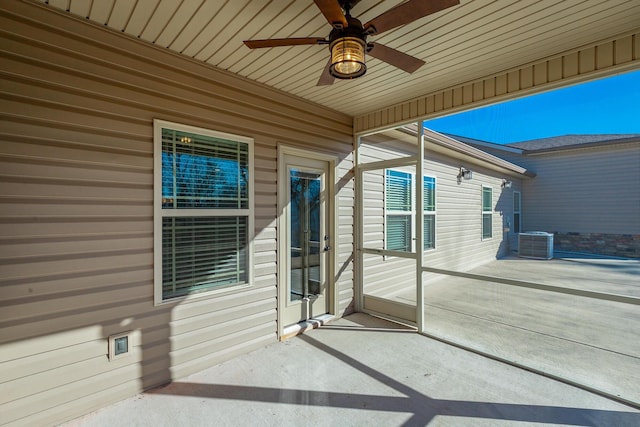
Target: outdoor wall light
[
  {"x": 506, "y": 183},
  {"x": 347, "y": 58},
  {"x": 464, "y": 174}
]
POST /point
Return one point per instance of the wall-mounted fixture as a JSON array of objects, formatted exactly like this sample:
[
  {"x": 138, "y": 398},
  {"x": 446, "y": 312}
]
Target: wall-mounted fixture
[
  {"x": 464, "y": 174},
  {"x": 506, "y": 183},
  {"x": 120, "y": 345}
]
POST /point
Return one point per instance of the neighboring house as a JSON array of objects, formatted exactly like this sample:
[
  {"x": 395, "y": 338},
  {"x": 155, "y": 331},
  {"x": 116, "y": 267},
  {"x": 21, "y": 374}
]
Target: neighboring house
[{"x": 586, "y": 190}]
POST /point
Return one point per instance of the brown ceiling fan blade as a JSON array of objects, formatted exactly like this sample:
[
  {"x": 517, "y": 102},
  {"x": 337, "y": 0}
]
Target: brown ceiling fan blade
[
  {"x": 333, "y": 13},
  {"x": 406, "y": 13},
  {"x": 396, "y": 58},
  {"x": 256, "y": 44},
  {"x": 326, "y": 78}
]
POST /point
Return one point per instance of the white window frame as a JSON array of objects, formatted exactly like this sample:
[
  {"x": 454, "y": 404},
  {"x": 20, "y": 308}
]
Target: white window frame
[
  {"x": 159, "y": 213},
  {"x": 412, "y": 212},
  {"x": 432, "y": 213},
  {"x": 486, "y": 212},
  {"x": 517, "y": 210}
]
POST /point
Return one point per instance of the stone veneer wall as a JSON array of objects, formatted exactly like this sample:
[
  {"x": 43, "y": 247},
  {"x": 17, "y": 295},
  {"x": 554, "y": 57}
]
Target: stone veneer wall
[{"x": 624, "y": 245}]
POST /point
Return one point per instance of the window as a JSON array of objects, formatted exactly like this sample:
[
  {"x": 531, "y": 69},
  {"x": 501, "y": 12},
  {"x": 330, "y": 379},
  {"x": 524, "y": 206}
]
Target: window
[
  {"x": 517, "y": 205},
  {"x": 487, "y": 212},
  {"x": 429, "y": 212},
  {"x": 203, "y": 208},
  {"x": 398, "y": 195},
  {"x": 400, "y": 211}
]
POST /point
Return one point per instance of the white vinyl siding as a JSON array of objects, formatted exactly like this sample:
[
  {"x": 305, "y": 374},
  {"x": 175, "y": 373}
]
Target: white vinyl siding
[
  {"x": 203, "y": 183},
  {"x": 487, "y": 212}
]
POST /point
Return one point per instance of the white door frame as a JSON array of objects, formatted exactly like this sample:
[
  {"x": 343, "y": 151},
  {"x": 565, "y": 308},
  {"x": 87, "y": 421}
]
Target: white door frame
[{"x": 332, "y": 298}]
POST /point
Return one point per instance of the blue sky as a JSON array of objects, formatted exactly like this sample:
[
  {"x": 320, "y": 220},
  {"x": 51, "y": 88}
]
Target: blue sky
[{"x": 609, "y": 105}]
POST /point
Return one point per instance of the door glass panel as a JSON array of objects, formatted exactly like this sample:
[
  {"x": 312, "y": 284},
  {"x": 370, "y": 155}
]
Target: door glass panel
[{"x": 305, "y": 234}]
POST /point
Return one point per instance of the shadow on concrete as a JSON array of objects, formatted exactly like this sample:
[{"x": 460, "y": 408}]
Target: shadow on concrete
[{"x": 422, "y": 407}]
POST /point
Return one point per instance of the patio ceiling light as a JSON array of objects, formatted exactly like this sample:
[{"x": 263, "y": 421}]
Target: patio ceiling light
[
  {"x": 347, "y": 58},
  {"x": 348, "y": 38}
]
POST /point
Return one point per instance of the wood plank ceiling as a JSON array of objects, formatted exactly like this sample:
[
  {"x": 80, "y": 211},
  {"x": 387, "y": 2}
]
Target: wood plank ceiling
[{"x": 462, "y": 43}]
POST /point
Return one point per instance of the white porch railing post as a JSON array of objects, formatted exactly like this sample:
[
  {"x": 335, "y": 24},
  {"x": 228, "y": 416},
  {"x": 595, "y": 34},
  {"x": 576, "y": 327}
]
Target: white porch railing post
[
  {"x": 358, "y": 230},
  {"x": 419, "y": 227}
]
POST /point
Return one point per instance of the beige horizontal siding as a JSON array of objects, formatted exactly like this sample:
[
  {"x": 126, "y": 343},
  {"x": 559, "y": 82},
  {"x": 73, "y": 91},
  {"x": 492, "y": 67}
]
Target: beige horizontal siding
[
  {"x": 344, "y": 241},
  {"x": 76, "y": 212},
  {"x": 560, "y": 198}
]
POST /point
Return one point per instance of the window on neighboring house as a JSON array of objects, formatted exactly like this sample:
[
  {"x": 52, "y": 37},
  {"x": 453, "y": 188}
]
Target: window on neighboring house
[
  {"x": 400, "y": 211},
  {"x": 517, "y": 205},
  {"x": 487, "y": 212},
  {"x": 203, "y": 218}
]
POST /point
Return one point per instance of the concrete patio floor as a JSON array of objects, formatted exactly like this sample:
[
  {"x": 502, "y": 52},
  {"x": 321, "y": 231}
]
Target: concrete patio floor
[
  {"x": 364, "y": 371},
  {"x": 588, "y": 341}
]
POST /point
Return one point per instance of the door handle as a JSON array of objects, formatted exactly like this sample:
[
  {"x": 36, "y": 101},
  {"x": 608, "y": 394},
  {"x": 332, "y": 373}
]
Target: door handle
[{"x": 327, "y": 248}]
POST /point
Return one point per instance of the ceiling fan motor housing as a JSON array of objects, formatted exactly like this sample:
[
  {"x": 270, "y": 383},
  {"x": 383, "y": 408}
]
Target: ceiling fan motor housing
[{"x": 348, "y": 46}]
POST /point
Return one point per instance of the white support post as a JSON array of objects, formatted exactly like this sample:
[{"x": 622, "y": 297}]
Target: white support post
[
  {"x": 358, "y": 230},
  {"x": 419, "y": 227}
]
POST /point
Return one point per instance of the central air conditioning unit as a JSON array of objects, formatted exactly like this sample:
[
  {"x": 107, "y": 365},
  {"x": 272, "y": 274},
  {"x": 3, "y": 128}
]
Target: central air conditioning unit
[{"x": 535, "y": 244}]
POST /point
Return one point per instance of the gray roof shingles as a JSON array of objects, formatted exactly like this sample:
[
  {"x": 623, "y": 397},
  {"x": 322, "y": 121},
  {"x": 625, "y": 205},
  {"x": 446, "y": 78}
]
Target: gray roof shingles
[{"x": 555, "y": 142}]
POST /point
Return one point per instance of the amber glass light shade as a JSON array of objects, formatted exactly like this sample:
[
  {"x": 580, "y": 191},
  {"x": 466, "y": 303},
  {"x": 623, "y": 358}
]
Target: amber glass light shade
[{"x": 347, "y": 58}]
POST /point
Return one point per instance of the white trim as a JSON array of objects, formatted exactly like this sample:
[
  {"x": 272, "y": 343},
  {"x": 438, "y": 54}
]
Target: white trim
[
  {"x": 483, "y": 212},
  {"x": 112, "y": 345},
  {"x": 433, "y": 213},
  {"x": 158, "y": 125},
  {"x": 332, "y": 258},
  {"x": 412, "y": 213},
  {"x": 499, "y": 147},
  {"x": 420, "y": 228},
  {"x": 358, "y": 228},
  {"x": 388, "y": 164}
]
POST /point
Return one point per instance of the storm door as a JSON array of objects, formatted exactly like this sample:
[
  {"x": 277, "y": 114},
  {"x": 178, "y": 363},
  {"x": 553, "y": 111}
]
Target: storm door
[{"x": 307, "y": 242}]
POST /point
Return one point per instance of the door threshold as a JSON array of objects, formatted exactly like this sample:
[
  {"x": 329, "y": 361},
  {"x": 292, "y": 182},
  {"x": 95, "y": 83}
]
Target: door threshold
[{"x": 300, "y": 328}]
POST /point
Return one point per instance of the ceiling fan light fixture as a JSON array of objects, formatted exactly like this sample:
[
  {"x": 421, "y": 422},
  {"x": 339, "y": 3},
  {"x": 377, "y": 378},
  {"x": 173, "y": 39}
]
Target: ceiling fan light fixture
[{"x": 347, "y": 58}]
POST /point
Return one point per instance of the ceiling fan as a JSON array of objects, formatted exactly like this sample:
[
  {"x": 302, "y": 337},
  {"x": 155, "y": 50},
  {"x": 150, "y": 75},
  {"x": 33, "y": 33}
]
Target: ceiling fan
[{"x": 348, "y": 38}]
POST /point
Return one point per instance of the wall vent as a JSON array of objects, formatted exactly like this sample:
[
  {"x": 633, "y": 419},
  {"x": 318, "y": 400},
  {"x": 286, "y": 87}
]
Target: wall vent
[
  {"x": 120, "y": 345},
  {"x": 535, "y": 244}
]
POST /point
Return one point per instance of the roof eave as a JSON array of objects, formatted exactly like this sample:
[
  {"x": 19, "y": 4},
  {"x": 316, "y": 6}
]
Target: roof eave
[{"x": 467, "y": 150}]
